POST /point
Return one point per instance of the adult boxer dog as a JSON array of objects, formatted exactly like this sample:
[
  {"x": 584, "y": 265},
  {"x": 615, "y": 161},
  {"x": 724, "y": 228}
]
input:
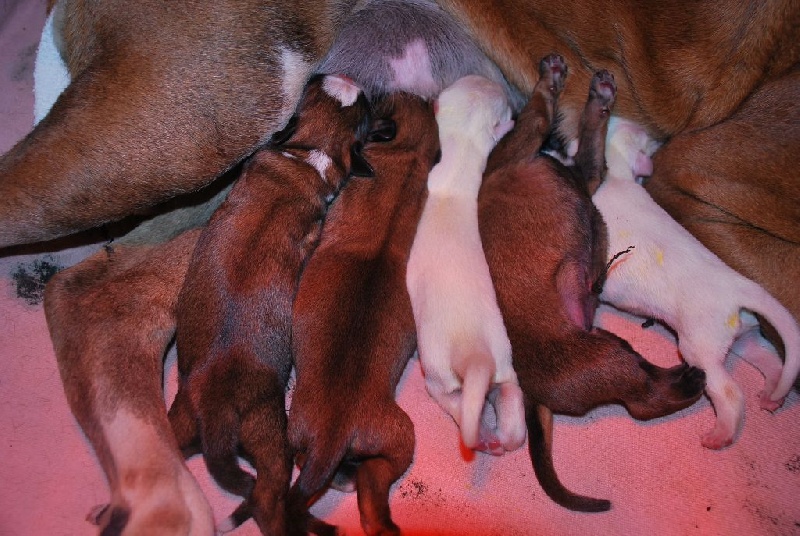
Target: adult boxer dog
[
  {"x": 545, "y": 245},
  {"x": 234, "y": 310},
  {"x": 462, "y": 342},
  {"x": 353, "y": 329},
  {"x": 670, "y": 276}
]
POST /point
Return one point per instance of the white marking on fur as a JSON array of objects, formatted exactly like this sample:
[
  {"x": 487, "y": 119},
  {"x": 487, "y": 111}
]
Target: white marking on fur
[
  {"x": 342, "y": 89},
  {"x": 673, "y": 277},
  {"x": 462, "y": 341},
  {"x": 413, "y": 72},
  {"x": 320, "y": 161},
  {"x": 151, "y": 477},
  {"x": 295, "y": 74}
]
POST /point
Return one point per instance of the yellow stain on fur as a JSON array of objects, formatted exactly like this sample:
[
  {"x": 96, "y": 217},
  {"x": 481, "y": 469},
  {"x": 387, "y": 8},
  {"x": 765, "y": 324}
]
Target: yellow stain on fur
[
  {"x": 730, "y": 393},
  {"x": 624, "y": 234},
  {"x": 733, "y": 320},
  {"x": 660, "y": 257}
]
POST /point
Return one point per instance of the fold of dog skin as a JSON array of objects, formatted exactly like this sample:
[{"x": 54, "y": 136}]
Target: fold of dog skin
[
  {"x": 670, "y": 276},
  {"x": 234, "y": 316},
  {"x": 353, "y": 327},
  {"x": 89, "y": 308},
  {"x": 462, "y": 342},
  {"x": 545, "y": 246},
  {"x": 163, "y": 99}
]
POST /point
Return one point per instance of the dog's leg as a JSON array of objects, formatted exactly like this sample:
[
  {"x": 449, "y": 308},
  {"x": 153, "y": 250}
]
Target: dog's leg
[
  {"x": 162, "y": 102},
  {"x": 375, "y": 475},
  {"x": 722, "y": 390},
  {"x": 590, "y": 158},
  {"x": 111, "y": 318}
]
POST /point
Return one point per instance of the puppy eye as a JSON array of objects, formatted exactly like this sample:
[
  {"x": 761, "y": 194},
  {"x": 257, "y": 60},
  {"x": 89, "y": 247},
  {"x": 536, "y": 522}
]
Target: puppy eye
[{"x": 383, "y": 130}]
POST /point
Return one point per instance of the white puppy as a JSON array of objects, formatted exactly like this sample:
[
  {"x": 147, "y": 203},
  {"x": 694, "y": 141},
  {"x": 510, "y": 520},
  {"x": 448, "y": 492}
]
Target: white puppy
[
  {"x": 462, "y": 341},
  {"x": 668, "y": 275}
]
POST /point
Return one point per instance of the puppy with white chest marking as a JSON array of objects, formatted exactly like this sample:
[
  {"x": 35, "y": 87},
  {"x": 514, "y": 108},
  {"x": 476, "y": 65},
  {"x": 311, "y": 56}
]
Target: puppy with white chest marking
[
  {"x": 545, "y": 246},
  {"x": 234, "y": 310},
  {"x": 462, "y": 342},
  {"x": 353, "y": 330},
  {"x": 668, "y": 275}
]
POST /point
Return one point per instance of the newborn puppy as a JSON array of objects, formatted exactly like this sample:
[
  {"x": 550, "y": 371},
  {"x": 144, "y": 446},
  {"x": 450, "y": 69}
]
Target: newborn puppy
[
  {"x": 462, "y": 342},
  {"x": 670, "y": 276},
  {"x": 234, "y": 311},
  {"x": 353, "y": 329},
  {"x": 545, "y": 248}
]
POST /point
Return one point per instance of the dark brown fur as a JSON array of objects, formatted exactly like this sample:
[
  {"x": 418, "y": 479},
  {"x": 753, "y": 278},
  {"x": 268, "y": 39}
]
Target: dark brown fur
[
  {"x": 543, "y": 243},
  {"x": 353, "y": 326},
  {"x": 234, "y": 310}
]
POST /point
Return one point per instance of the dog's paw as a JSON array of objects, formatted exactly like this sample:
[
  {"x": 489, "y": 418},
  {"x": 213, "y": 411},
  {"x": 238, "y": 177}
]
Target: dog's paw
[
  {"x": 604, "y": 89},
  {"x": 717, "y": 439},
  {"x": 553, "y": 69},
  {"x": 767, "y": 403}
]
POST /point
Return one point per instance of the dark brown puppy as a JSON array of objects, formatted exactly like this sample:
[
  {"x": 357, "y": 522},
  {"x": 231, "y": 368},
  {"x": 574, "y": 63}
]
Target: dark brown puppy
[
  {"x": 742, "y": 204},
  {"x": 120, "y": 303},
  {"x": 234, "y": 310},
  {"x": 354, "y": 329},
  {"x": 532, "y": 207}
]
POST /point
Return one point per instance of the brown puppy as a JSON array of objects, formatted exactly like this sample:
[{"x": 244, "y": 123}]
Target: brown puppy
[
  {"x": 532, "y": 207},
  {"x": 234, "y": 317},
  {"x": 354, "y": 329},
  {"x": 121, "y": 302}
]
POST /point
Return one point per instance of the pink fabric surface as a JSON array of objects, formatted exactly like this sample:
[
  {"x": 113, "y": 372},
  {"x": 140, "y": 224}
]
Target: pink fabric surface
[{"x": 658, "y": 477}]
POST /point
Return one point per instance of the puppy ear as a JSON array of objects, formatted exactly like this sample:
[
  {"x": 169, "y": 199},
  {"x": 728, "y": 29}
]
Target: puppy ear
[
  {"x": 359, "y": 167},
  {"x": 383, "y": 130},
  {"x": 283, "y": 135}
]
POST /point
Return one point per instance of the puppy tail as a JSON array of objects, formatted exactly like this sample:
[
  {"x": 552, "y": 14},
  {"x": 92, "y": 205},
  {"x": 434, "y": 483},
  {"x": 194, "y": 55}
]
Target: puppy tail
[
  {"x": 759, "y": 301},
  {"x": 540, "y": 445},
  {"x": 475, "y": 386}
]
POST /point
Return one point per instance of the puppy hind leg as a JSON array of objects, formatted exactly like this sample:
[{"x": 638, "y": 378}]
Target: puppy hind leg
[
  {"x": 767, "y": 362},
  {"x": 219, "y": 433},
  {"x": 728, "y": 402},
  {"x": 263, "y": 436},
  {"x": 535, "y": 121},
  {"x": 184, "y": 424},
  {"x": 381, "y": 467},
  {"x": 590, "y": 158}
]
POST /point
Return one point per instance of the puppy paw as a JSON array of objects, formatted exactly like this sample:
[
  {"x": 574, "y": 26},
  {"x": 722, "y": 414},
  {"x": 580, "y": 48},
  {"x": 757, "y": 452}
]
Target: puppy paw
[
  {"x": 604, "y": 90},
  {"x": 553, "y": 69},
  {"x": 767, "y": 403},
  {"x": 717, "y": 439}
]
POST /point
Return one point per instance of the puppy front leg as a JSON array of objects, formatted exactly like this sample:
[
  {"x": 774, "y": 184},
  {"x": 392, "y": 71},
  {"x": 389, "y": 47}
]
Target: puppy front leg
[{"x": 111, "y": 318}]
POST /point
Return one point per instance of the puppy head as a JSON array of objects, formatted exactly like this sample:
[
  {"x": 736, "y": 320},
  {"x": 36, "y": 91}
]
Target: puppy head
[
  {"x": 629, "y": 150},
  {"x": 474, "y": 108},
  {"x": 407, "y": 123},
  {"x": 332, "y": 122}
]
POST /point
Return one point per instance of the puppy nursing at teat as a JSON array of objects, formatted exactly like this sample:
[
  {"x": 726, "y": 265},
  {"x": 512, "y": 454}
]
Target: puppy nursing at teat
[
  {"x": 353, "y": 329},
  {"x": 235, "y": 308},
  {"x": 462, "y": 342},
  {"x": 668, "y": 275},
  {"x": 545, "y": 246}
]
